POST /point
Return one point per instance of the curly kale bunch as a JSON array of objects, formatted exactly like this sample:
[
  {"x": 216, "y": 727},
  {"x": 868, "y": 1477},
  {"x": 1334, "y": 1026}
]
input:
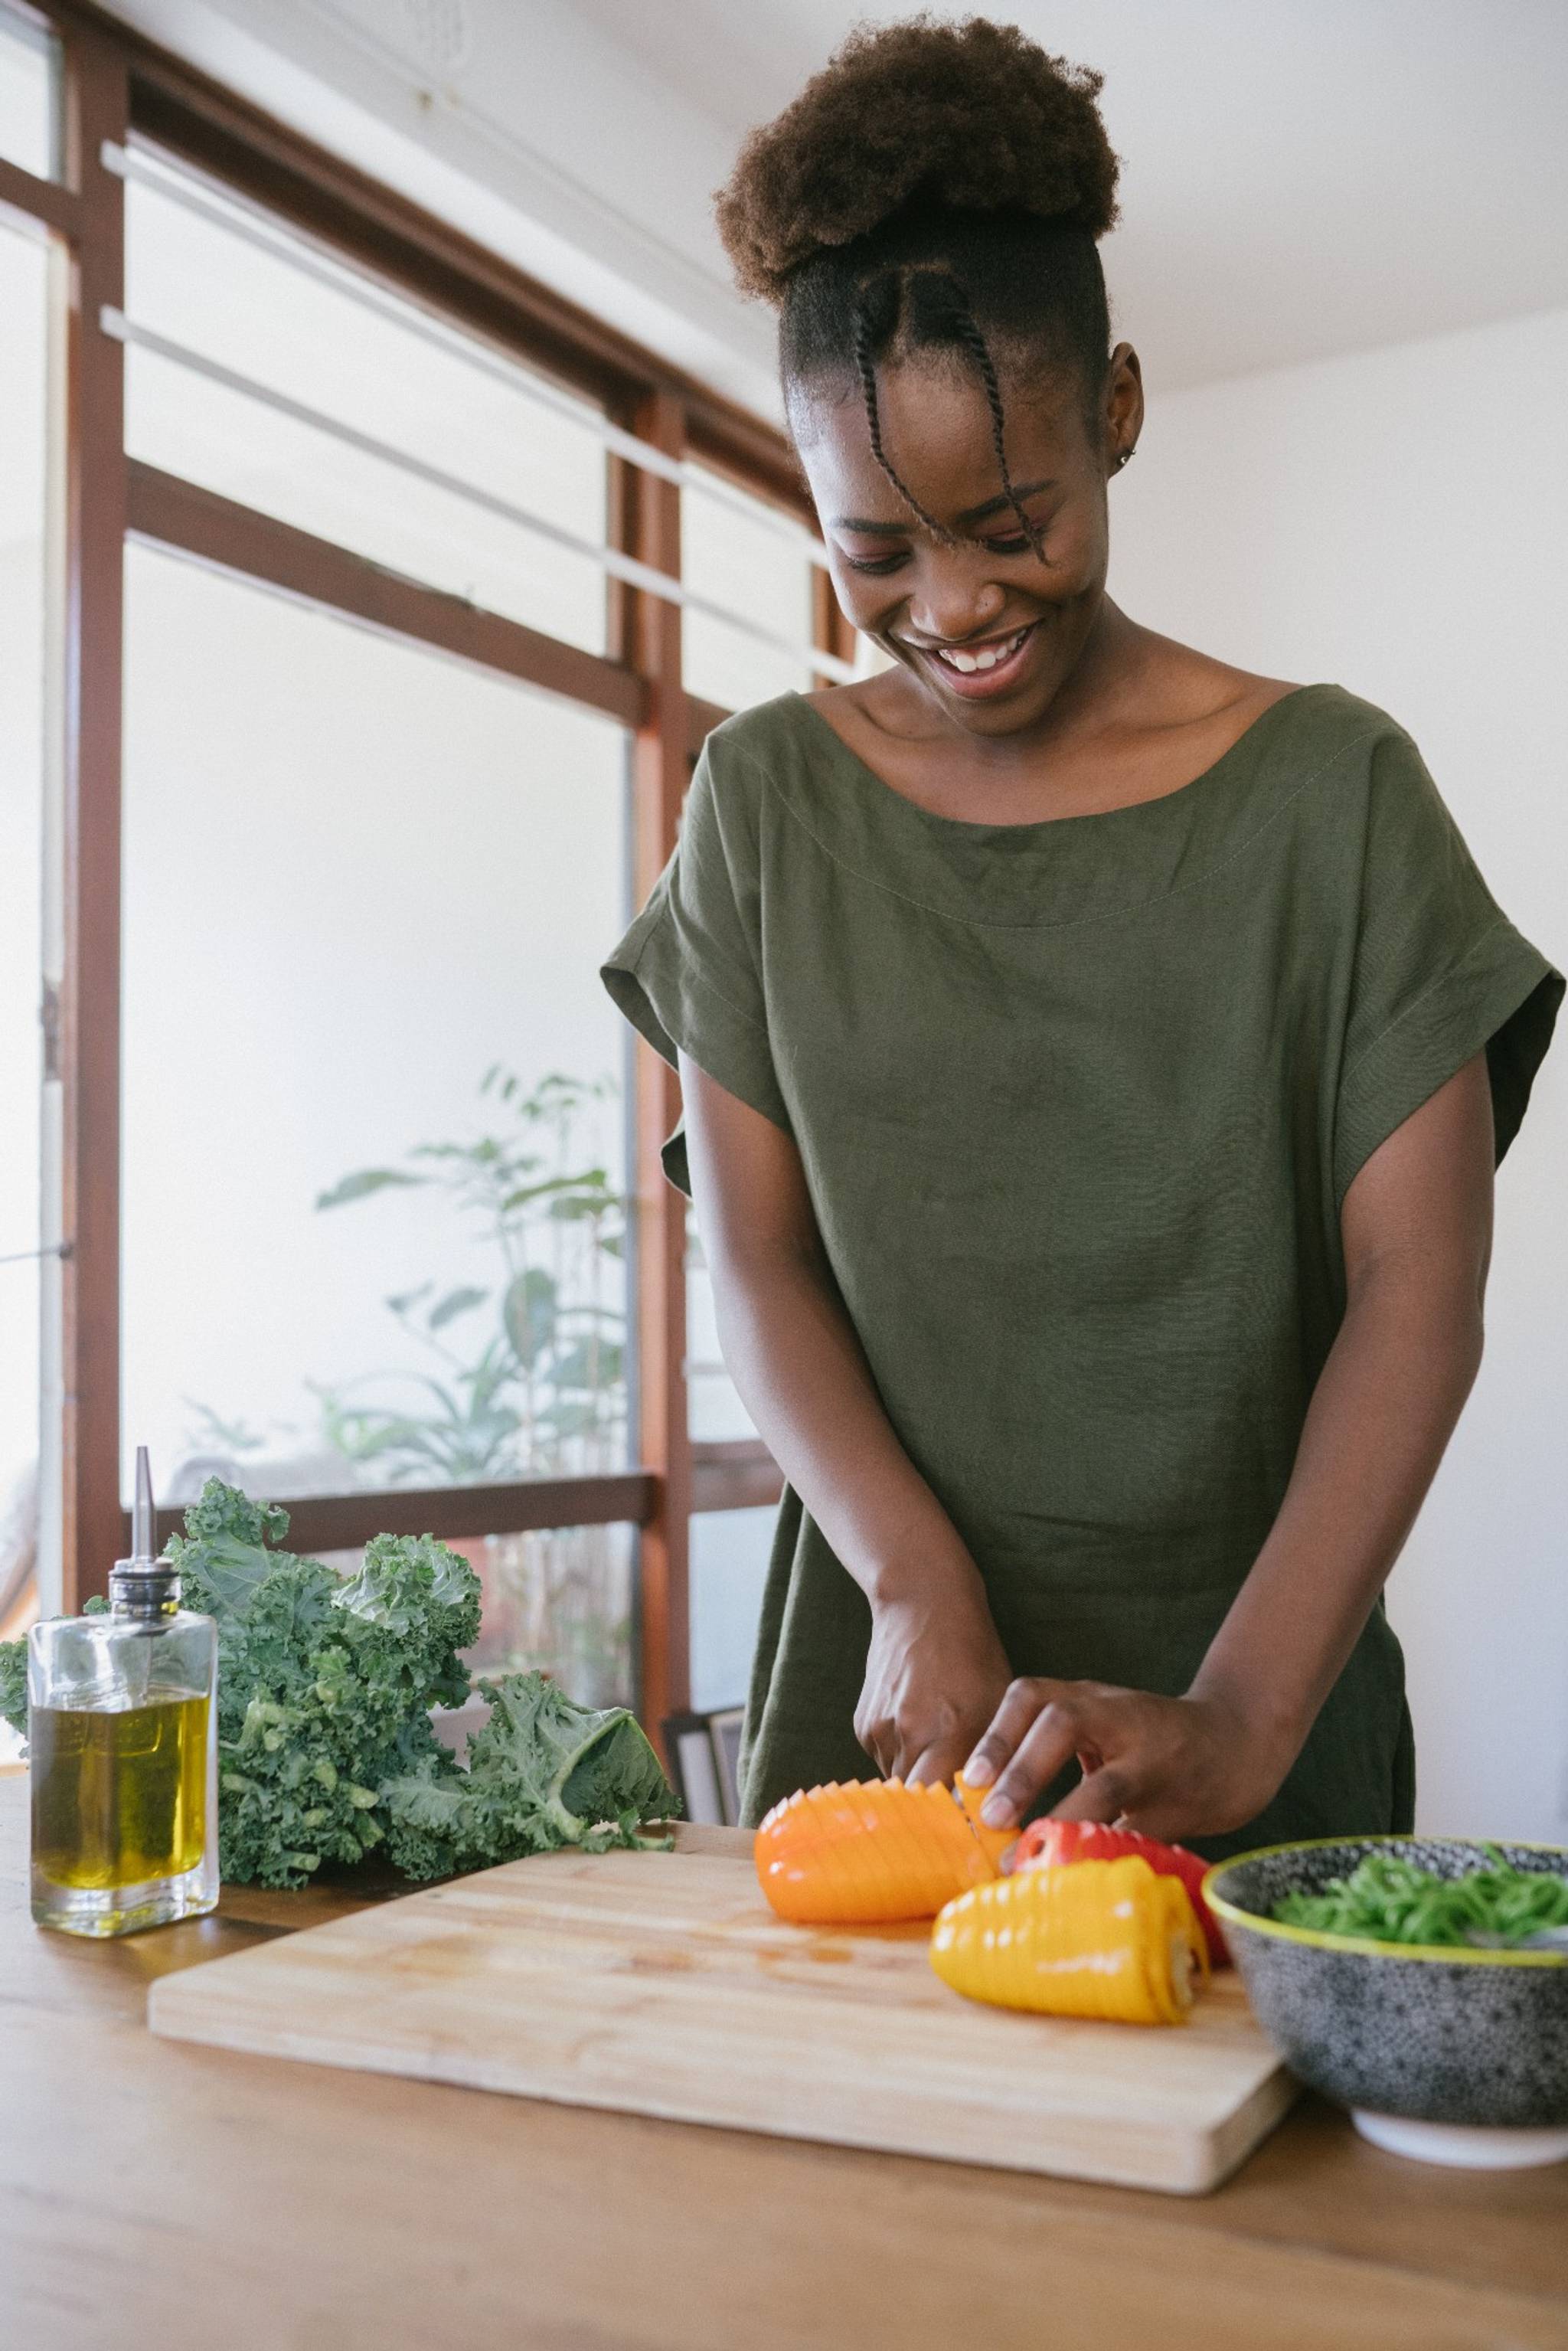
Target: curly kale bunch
[
  {"x": 324, "y": 1685},
  {"x": 326, "y": 1749}
]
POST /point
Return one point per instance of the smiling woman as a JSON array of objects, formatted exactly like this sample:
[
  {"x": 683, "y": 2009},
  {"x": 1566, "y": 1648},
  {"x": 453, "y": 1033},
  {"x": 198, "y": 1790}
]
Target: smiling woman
[
  {"x": 1094, "y": 1055},
  {"x": 956, "y": 289}
]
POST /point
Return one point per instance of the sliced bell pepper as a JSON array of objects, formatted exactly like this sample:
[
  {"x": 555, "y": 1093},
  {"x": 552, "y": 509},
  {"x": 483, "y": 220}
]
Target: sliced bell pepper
[
  {"x": 1112, "y": 1940},
  {"x": 873, "y": 1851},
  {"x": 1054, "y": 1844}
]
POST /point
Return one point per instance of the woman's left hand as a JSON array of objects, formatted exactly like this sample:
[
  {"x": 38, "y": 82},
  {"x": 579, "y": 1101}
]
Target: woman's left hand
[{"x": 1174, "y": 1767}]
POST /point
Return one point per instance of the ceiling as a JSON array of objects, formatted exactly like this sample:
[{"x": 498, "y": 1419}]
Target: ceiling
[{"x": 1301, "y": 177}]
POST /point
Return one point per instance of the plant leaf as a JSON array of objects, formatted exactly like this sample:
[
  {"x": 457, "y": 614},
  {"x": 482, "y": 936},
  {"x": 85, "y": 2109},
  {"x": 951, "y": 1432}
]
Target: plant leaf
[
  {"x": 574, "y": 1207},
  {"x": 586, "y": 1365},
  {"x": 528, "y": 1313},
  {"x": 366, "y": 1180},
  {"x": 544, "y": 1191},
  {"x": 455, "y": 1302}
]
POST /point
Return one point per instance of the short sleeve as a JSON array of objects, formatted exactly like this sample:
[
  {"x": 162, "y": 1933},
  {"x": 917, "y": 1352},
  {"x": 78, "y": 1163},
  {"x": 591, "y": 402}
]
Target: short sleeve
[
  {"x": 688, "y": 973},
  {"x": 1439, "y": 973}
]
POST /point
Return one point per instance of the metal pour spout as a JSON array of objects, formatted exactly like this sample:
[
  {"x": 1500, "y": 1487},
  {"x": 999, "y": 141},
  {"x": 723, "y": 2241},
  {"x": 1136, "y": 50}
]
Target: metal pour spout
[
  {"x": 144, "y": 1586},
  {"x": 144, "y": 1519}
]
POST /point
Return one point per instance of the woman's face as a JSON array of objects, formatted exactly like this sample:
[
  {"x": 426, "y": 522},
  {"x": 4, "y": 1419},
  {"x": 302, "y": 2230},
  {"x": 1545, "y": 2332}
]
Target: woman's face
[{"x": 990, "y": 630}]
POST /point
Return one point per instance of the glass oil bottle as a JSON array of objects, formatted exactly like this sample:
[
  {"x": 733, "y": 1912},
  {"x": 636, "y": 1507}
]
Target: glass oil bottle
[{"x": 122, "y": 1745}]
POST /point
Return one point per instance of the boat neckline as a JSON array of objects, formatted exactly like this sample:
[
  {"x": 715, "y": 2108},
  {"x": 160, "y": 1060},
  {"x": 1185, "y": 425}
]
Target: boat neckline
[{"x": 1036, "y": 825}]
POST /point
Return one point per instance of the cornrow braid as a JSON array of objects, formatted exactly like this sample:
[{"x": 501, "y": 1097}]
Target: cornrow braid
[
  {"x": 865, "y": 367},
  {"x": 953, "y": 317},
  {"x": 967, "y": 331}
]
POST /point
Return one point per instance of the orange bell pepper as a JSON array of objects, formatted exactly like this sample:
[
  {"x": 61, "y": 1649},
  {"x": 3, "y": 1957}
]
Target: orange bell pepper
[{"x": 870, "y": 1852}]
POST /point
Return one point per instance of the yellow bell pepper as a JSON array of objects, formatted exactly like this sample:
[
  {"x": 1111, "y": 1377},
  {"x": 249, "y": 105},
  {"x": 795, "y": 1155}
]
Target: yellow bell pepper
[{"x": 1105, "y": 1938}]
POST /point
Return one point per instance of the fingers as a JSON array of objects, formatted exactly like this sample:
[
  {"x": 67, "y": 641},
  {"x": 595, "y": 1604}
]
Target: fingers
[
  {"x": 1100, "y": 1795},
  {"x": 1039, "y": 1727},
  {"x": 914, "y": 1755},
  {"x": 1021, "y": 1703},
  {"x": 1150, "y": 1762},
  {"x": 941, "y": 1761}
]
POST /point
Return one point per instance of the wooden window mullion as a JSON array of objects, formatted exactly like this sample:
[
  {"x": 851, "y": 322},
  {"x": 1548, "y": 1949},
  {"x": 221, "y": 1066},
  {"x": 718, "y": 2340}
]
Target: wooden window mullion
[
  {"x": 96, "y": 102},
  {"x": 169, "y": 511},
  {"x": 42, "y": 200},
  {"x": 319, "y": 1522},
  {"x": 660, "y": 768}
]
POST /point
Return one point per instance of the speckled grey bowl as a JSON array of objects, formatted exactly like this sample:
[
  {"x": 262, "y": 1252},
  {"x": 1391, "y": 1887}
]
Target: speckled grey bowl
[{"x": 1476, "y": 2038}]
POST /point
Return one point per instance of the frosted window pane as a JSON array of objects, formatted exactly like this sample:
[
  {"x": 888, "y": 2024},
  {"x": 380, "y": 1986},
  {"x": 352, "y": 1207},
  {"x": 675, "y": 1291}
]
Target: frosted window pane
[
  {"x": 200, "y": 284},
  {"x": 729, "y": 1554},
  {"x": 29, "y": 103},
  {"x": 559, "y": 1600},
  {"x": 23, "y": 354},
  {"x": 359, "y": 878},
  {"x": 741, "y": 560}
]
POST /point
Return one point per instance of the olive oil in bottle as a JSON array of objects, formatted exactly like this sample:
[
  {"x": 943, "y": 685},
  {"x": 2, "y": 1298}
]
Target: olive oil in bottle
[
  {"x": 122, "y": 1792},
  {"x": 121, "y": 1733}
]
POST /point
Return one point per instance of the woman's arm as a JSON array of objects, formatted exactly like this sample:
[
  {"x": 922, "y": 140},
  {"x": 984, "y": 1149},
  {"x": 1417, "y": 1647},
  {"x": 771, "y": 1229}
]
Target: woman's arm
[
  {"x": 1417, "y": 1227},
  {"x": 937, "y": 1669}
]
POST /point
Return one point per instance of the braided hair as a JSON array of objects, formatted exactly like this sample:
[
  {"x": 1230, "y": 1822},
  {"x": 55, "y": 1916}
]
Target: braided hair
[
  {"x": 948, "y": 321},
  {"x": 937, "y": 187}
]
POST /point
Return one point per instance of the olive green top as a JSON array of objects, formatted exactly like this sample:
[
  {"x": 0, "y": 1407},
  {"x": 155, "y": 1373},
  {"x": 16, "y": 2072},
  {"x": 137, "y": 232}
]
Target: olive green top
[{"x": 1078, "y": 1103}]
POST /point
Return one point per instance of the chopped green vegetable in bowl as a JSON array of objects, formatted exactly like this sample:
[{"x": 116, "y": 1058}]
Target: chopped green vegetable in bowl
[
  {"x": 326, "y": 1749},
  {"x": 1358, "y": 1959},
  {"x": 1388, "y": 1900}
]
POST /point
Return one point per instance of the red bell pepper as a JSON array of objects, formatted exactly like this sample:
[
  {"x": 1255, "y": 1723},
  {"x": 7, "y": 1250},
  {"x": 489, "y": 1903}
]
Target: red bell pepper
[{"x": 1055, "y": 1844}]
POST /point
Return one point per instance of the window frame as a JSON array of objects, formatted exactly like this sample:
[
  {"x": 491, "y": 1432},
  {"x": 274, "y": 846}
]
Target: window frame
[{"x": 116, "y": 83}]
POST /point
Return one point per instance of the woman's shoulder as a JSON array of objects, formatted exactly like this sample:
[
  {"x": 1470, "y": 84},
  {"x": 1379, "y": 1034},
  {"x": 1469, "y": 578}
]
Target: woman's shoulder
[
  {"x": 1220, "y": 706},
  {"x": 743, "y": 769},
  {"x": 1331, "y": 718},
  {"x": 758, "y": 739},
  {"x": 1311, "y": 762},
  {"x": 1346, "y": 797},
  {"x": 1282, "y": 733}
]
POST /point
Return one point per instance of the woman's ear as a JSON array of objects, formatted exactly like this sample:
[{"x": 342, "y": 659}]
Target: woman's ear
[{"x": 1123, "y": 410}]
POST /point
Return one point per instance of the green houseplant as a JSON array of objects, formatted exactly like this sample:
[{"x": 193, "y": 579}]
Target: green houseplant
[{"x": 526, "y": 1368}]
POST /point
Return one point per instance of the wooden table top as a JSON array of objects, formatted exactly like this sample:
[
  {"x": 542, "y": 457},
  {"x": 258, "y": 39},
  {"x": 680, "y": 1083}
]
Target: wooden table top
[{"x": 155, "y": 2196}]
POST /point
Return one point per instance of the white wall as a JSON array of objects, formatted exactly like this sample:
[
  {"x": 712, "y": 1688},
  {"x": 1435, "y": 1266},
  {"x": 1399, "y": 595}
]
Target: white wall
[{"x": 1398, "y": 521}]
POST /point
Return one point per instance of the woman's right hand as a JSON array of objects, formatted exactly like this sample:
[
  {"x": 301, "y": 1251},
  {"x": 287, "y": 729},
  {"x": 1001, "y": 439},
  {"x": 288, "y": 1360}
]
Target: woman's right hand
[{"x": 935, "y": 1677}]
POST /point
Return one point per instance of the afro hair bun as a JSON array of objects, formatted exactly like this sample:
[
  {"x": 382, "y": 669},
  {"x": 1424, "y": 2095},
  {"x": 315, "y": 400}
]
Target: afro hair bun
[{"x": 971, "y": 117}]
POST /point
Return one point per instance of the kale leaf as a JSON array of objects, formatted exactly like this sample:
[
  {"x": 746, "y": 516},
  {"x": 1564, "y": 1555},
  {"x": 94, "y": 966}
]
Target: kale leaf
[{"x": 543, "y": 1772}]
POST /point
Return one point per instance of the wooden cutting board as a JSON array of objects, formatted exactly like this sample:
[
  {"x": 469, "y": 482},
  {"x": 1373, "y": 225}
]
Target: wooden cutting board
[{"x": 662, "y": 1984}]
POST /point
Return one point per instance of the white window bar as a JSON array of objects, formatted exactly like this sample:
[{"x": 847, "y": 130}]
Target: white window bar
[
  {"x": 232, "y": 213},
  {"x": 610, "y": 559}
]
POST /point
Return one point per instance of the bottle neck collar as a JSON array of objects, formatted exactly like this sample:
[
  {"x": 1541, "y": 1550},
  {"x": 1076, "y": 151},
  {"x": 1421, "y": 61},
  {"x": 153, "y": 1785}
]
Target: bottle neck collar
[{"x": 145, "y": 1591}]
